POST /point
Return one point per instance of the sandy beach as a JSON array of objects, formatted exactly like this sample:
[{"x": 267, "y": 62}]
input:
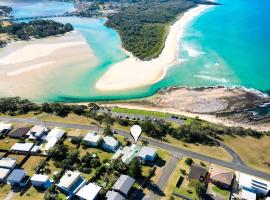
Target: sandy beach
[
  {"x": 26, "y": 67},
  {"x": 133, "y": 73}
]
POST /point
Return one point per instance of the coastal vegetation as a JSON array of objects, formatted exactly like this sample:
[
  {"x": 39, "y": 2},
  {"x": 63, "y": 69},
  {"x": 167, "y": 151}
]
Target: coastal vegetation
[
  {"x": 143, "y": 27},
  {"x": 5, "y": 11},
  {"x": 35, "y": 29}
]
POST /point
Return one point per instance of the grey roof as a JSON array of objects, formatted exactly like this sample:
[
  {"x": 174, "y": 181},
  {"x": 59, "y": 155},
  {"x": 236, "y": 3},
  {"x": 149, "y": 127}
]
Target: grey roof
[
  {"x": 197, "y": 172},
  {"x": 123, "y": 184},
  {"x": 16, "y": 176},
  {"x": 112, "y": 195}
]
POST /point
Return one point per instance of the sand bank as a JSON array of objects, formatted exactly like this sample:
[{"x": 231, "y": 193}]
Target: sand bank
[
  {"x": 132, "y": 73},
  {"x": 35, "y": 68}
]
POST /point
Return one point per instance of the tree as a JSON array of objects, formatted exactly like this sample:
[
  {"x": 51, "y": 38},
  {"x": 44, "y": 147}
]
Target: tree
[
  {"x": 59, "y": 152},
  {"x": 107, "y": 130},
  {"x": 200, "y": 188},
  {"x": 135, "y": 170},
  {"x": 189, "y": 161}
]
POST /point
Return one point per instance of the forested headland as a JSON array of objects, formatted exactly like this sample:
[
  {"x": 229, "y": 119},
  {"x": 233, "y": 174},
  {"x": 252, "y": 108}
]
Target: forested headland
[{"x": 143, "y": 26}]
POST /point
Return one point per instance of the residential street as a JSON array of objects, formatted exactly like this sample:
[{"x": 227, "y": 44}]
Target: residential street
[
  {"x": 166, "y": 173},
  {"x": 236, "y": 164}
]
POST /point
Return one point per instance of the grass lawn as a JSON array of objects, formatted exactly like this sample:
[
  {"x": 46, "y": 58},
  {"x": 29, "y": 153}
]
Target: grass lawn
[
  {"x": 146, "y": 170},
  {"x": 225, "y": 194},
  {"x": 31, "y": 193},
  {"x": 77, "y": 132},
  {"x": 140, "y": 112},
  {"x": 50, "y": 165},
  {"x": 1, "y": 154},
  {"x": 184, "y": 188},
  {"x": 89, "y": 176},
  {"x": 7, "y": 143},
  {"x": 69, "y": 144},
  {"x": 212, "y": 151},
  {"x": 19, "y": 158},
  {"x": 71, "y": 118},
  {"x": 101, "y": 154},
  {"x": 32, "y": 162},
  {"x": 254, "y": 152},
  {"x": 4, "y": 190}
]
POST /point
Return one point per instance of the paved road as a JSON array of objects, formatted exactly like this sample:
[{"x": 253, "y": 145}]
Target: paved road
[
  {"x": 10, "y": 195},
  {"x": 166, "y": 173},
  {"x": 235, "y": 164}
]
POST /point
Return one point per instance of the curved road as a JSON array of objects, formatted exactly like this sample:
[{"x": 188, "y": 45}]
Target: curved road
[{"x": 236, "y": 163}]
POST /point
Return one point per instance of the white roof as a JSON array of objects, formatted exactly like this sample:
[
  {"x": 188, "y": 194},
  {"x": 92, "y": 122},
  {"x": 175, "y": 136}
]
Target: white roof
[
  {"x": 36, "y": 131},
  {"x": 89, "y": 192},
  {"x": 110, "y": 141},
  {"x": 7, "y": 163},
  {"x": 69, "y": 179},
  {"x": 55, "y": 133},
  {"x": 147, "y": 151},
  {"x": 247, "y": 195},
  {"x": 3, "y": 173},
  {"x": 92, "y": 137},
  {"x": 249, "y": 181},
  {"x": 40, "y": 178},
  {"x": 35, "y": 149},
  {"x": 51, "y": 142},
  {"x": 4, "y": 126},
  {"x": 22, "y": 146}
]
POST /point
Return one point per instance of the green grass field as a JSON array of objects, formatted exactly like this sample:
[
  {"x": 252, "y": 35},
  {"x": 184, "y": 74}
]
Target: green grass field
[
  {"x": 140, "y": 112},
  {"x": 30, "y": 165}
]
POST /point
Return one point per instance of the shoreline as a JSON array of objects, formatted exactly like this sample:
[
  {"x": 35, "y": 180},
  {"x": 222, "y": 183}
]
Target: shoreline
[
  {"x": 220, "y": 105},
  {"x": 27, "y": 67},
  {"x": 133, "y": 73}
]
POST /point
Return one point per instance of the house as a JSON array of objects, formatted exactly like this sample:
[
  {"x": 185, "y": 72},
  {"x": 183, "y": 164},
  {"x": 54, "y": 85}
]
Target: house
[
  {"x": 19, "y": 133},
  {"x": 7, "y": 163},
  {"x": 6, "y": 166},
  {"x": 197, "y": 172},
  {"x": 3, "y": 174},
  {"x": 253, "y": 184},
  {"x": 147, "y": 154},
  {"x": 52, "y": 138},
  {"x": 18, "y": 178},
  {"x": 22, "y": 147},
  {"x": 5, "y": 128},
  {"x": 36, "y": 132},
  {"x": 110, "y": 144},
  {"x": 112, "y": 195},
  {"x": 247, "y": 195},
  {"x": 130, "y": 152},
  {"x": 121, "y": 188},
  {"x": 92, "y": 139},
  {"x": 71, "y": 182},
  {"x": 88, "y": 192},
  {"x": 221, "y": 177},
  {"x": 39, "y": 180}
]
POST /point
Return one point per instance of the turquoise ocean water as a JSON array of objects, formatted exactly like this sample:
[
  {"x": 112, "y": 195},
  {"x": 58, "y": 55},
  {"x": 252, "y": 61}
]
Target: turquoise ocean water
[{"x": 226, "y": 45}]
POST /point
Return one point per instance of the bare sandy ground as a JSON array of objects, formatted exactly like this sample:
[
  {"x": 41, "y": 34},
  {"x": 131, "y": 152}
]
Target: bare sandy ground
[
  {"x": 26, "y": 67},
  {"x": 133, "y": 73}
]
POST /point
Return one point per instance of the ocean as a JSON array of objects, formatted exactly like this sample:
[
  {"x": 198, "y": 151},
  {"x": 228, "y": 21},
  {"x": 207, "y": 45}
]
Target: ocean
[{"x": 227, "y": 45}]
